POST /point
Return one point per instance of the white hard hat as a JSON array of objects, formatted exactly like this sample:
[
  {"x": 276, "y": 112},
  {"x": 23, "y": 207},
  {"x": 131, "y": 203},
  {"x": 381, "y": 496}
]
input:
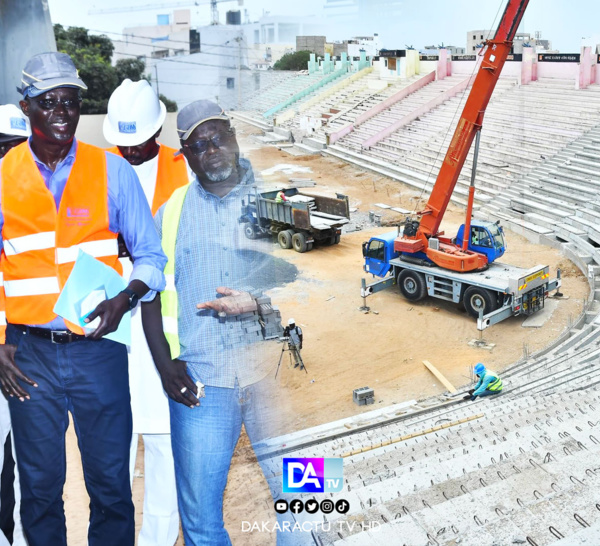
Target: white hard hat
[
  {"x": 134, "y": 115},
  {"x": 291, "y": 321},
  {"x": 13, "y": 122}
]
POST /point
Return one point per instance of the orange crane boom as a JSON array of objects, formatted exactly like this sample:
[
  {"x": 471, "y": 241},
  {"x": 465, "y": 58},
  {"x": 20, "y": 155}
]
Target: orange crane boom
[{"x": 442, "y": 251}]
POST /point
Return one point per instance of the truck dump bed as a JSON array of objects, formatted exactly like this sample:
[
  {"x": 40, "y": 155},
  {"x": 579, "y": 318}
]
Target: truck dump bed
[{"x": 309, "y": 212}]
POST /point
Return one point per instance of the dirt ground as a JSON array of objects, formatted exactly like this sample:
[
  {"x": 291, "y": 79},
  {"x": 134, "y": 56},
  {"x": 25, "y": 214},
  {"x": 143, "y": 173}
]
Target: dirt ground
[{"x": 344, "y": 348}]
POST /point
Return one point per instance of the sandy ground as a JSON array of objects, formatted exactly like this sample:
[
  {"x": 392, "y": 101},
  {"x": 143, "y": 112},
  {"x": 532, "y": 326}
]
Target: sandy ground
[{"x": 344, "y": 348}]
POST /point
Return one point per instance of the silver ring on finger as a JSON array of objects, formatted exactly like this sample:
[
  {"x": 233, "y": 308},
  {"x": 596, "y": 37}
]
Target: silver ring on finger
[{"x": 183, "y": 389}]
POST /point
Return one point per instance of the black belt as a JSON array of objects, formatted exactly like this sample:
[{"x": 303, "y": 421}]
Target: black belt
[{"x": 55, "y": 336}]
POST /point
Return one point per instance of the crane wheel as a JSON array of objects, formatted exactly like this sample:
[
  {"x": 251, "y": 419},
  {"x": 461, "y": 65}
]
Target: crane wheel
[
  {"x": 299, "y": 242},
  {"x": 476, "y": 299},
  {"x": 284, "y": 238},
  {"x": 412, "y": 285}
]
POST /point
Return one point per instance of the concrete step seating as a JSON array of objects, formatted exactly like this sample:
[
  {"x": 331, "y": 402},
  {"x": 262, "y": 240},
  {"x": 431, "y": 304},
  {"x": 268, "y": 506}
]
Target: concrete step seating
[
  {"x": 502, "y": 129},
  {"x": 523, "y": 469},
  {"x": 278, "y": 92},
  {"x": 367, "y": 101},
  {"x": 398, "y": 111},
  {"x": 526, "y": 459},
  {"x": 334, "y": 104},
  {"x": 573, "y": 177},
  {"x": 529, "y": 142}
]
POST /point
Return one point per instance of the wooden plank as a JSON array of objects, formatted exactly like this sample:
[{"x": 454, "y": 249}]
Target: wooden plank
[
  {"x": 413, "y": 434},
  {"x": 439, "y": 376}
]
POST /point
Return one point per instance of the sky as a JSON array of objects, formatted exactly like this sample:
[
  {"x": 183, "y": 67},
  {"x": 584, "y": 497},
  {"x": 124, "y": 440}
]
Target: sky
[{"x": 420, "y": 23}]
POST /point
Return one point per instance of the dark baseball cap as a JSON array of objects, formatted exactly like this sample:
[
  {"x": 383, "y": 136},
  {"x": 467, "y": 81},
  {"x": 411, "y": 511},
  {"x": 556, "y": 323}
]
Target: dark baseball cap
[
  {"x": 47, "y": 71},
  {"x": 196, "y": 114}
]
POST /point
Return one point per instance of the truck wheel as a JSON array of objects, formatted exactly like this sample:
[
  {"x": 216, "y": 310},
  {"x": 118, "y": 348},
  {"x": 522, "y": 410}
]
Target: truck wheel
[
  {"x": 477, "y": 298},
  {"x": 299, "y": 242},
  {"x": 412, "y": 285},
  {"x": 309, "y": 247},
  {"x": 250, "y": 231},
  {"x": 337, "y": 239},
  {"x": 285, "y": 239}
]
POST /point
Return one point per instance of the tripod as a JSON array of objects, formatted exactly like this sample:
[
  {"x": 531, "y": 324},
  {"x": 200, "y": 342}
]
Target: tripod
[{"x": 297, "y": 355}]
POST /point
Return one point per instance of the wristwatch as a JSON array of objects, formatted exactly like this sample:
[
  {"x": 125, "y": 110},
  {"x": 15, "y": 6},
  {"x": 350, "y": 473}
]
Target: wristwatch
[{"x": 133, "y": 297}]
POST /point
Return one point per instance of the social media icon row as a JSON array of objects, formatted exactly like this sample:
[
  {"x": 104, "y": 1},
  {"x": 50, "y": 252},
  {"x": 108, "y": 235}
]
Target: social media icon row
[{"x": 311, "y": 506}]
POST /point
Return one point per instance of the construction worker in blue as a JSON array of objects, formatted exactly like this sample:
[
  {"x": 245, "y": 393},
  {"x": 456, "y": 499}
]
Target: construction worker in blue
[{"x": 489, "y": 383}]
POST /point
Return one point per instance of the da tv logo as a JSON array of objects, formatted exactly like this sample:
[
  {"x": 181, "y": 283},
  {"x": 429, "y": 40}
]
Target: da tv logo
[{"x": 312, "y": 475}]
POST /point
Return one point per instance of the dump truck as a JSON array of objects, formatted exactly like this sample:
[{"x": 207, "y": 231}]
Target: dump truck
[
  {"x": 423, "y": 261},
  {"x": 299, "y": 222}
]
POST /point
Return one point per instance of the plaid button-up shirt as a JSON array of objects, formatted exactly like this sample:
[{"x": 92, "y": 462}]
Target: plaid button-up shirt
[{"x": 212, "y": 251}]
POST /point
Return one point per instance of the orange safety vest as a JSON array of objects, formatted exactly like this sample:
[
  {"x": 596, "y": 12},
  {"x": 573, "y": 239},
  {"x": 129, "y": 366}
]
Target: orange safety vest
[
  {"x": 172, "y": 174},
  {"x": 41, "y": 244}
]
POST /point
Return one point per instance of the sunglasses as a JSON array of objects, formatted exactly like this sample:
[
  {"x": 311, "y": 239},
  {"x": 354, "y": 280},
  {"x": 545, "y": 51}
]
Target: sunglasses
[
  {"x": 53, "y": 104},
  {"x": 219, "y": 140}
]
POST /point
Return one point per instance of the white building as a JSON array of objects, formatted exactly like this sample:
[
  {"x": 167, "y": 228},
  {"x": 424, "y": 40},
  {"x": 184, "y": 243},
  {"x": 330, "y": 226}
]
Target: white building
[
  {"x": 213, "y": 73},
  {"x": 170, "y": 37},
  {"x": 216, "y": 62},
  {"x": 476, "y": 39},
  {"x": 369, "y": 44}
]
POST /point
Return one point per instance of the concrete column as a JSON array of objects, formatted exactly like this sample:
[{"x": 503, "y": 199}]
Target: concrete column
[
  {"x": 407, "y": 66},
  {"x": 25, "y": 31},
  {"x": 442, "y": 68},
  {"x": 527, "y": 70},
  {"x": 585, "y": 67},
  {"x": 312, "y": 64},
  {"x": 327, "y": 64},
  {"x": 344, "y": 63},
  {"x": 363, "y": 63}
]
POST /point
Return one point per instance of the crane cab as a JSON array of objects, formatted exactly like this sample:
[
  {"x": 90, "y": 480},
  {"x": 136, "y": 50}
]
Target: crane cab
[{"x": 485, "y": 238}]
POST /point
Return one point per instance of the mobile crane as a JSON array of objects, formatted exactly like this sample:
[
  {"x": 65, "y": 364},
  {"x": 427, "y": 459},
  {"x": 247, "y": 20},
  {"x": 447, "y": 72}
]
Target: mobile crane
[{"x": 462, "y": 269}]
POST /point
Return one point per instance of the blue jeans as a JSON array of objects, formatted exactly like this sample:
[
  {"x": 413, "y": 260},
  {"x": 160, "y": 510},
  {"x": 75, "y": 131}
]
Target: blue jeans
[
  {"x": 89, "y": 379},
  {"x": 487, "y": 392},
  {"x": 203, "y": 442}
]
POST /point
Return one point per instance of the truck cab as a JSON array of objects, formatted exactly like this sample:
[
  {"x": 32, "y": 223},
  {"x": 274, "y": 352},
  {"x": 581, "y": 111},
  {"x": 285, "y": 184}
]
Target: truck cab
[
  {"x": 378, "y": 252},
  {"x": 486, "y": 238}
]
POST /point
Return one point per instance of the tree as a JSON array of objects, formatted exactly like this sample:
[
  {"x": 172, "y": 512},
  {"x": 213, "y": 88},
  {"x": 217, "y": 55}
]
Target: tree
[
  {"x": 170, "y": 104},
  {"x": 132, "y": 69},
  {"x": 92, "y": 56},
  {"x": 293, "y": 61}
]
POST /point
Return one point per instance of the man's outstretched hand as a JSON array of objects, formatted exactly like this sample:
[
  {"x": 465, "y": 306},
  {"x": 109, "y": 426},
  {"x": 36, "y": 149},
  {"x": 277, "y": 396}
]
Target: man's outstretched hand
[{"x": 233, "y": 302}]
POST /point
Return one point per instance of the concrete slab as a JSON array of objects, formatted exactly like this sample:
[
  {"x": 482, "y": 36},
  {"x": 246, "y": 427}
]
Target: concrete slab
[
  {"x": 286, "y": 169},
  {"x": 481, "y": 344},
  {"x": 383, "y": 206},
  {"x": 540, "y": 318},
  {"x": 292, "y": 150}
]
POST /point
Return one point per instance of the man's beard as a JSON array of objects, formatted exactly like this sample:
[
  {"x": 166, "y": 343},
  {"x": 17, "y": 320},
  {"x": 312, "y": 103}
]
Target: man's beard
[{"x": 219, "y": 175}]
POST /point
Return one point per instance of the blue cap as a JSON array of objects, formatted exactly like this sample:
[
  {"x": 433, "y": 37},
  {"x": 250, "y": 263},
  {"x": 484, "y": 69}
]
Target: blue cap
[
  {"x": 47, "y": 71},
  {"x": 195, "y": 114},
  {"x": 479, "y": 368}
]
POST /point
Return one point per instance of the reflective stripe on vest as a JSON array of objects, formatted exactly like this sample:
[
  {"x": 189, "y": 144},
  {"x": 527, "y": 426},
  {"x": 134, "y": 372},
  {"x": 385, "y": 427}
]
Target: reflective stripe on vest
[
  {"x": 41, "y": 243},
  {"x": 495, "y": 385},
  {"x": 168, "y": 298},
  {"x": 172, "y": 174}
]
